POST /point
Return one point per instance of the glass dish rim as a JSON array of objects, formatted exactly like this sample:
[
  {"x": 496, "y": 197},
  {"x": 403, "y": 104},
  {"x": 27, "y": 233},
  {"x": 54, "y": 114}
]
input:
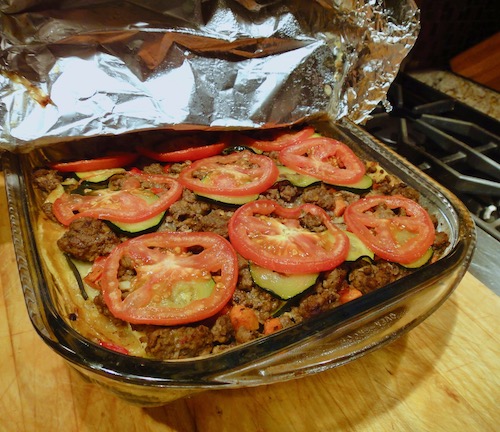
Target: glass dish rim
[{"x": 78, "y": 350}]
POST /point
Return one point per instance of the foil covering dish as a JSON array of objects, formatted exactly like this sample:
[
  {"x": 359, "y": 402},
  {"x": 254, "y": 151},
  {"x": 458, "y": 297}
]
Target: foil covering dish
[
  {"x": 326, "y": 341},
  {"x": 73, "y": 69}
]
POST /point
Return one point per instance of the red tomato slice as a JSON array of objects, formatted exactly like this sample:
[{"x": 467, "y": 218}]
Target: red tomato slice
[
  {"x": 324, "y": 158},
  {"x": 113, "y": 347},
  {"x": 95, "y": 273},
  {"x": 394, "y": 227},
  {"x": 179, "y": 278},
  {"x": 273, "y": 237},
  {"x": 181, "y": 149},
  {"x": 116, "y": 160},
  {"x": 237, "y": 174},
  {"x": 278, "y": 140},
  {"x": 131, "y": 204}
]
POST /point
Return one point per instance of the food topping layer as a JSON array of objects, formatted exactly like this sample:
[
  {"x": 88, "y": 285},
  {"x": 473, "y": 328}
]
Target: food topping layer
[{"x": 198, "y": 243}]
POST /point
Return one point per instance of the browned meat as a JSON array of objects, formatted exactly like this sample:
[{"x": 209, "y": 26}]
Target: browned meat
[
  {"x": 287, "y": 192},
  {"x": 261, "y": 301},
  {"x": 176, "y": 168},
  {"x": 216, "y": 221},
  {"x": 321, "y": 196},
  {"x": 46, "y": 180},
  {"x": 441, "y": 242},
  {"x": 406, "y": 191},
  {"x": 154, "y": 168},
  {"x": 191, "y": 214},
  {"x": 324, "y": 295},
  {"x": 333, "y": 280},
  {"x": 88, "y": 238},
  {"x": 388, "y": 186},
  {"x": 244, "y": 335},
  {"x": 178, "y": 342},
  {"x": 245, "y": 281},
  {"x": 315, "y": 304},
  {"x": 327, "y": 197},
  {"x": 185, "y": 214},
  {"x": 47, "y": 210},
  {"x": 116, "y": 181},
  {"x": 223, "y": 331},
  {"x": 312, "y": 223},
  {"x": 370, "y": 276},
  {"x": 103, "y": 308}
]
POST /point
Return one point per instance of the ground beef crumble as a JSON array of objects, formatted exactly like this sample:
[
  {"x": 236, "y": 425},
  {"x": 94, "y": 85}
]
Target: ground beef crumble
[
  {"x": 88, "y": 238},
  {"x": 178, "y": 342},
  {"x": 46, "y": 180},
  {"x": 368, "y": 276}
]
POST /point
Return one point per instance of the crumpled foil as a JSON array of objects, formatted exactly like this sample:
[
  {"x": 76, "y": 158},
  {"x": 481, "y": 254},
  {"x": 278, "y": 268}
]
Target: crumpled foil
[{"x": 77, "y": 69}]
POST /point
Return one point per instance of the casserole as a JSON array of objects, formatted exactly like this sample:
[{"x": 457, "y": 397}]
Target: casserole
[{"x": 331, "y": 339}]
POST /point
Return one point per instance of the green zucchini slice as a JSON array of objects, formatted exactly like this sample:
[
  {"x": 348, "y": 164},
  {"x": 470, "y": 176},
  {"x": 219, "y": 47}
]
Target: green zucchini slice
[
  {"x": 424, "y": 259},
  {"x": 185, "y": 292},
  {"x": 134, "y": 228},
  {"x": 282, "y": 285},
  {"x": 365, "y": 183},
  {"x": 302, "y": 180},
  {"x": 98, "y": 176},
  {"x": 295, "y": 178},
  {"x": 234, "y": 200},
  {"x": 357, "y": 248}
]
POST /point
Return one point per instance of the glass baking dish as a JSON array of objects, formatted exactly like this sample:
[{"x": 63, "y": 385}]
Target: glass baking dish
[{"x": 332, "y": 339}]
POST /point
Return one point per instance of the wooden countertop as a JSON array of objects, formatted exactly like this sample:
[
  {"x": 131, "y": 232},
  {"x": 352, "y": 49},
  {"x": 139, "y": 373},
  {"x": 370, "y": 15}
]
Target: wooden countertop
[{"x": 443, "y": 376}]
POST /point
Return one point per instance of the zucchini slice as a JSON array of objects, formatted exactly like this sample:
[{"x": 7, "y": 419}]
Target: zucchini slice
[
  {"x": 302, "y": 180},
  {"x": 424, "y": 259},
  {"x": 137, "y": 228},
  {"x": 365, "y": 183},
  {"x": 134, "y": 228},
  {"x": 98, "y": 176},
  {"x": 185, "y": 292},
  {"x": 234, "y": 200},
  {"x": 282, "y": 285},
  {"x": 357, "y": 248},
  {"x": 295, "y": 178}
]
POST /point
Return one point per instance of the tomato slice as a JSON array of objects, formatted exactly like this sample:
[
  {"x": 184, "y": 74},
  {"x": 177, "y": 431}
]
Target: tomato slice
[
  {"x": 95, "y": 273},
  {"x": 113, "y": 347},
  {"x": 237, "y": 174},
  {"x": 179, "y": 278},
  {"x": 115, "y": 160},
  {"x": 396, "y": 228},
  {"x": 324, "y": 158},
  {"x": 133, "y": 203},
  {"x": 274, "y": 237},
  {"x": 275, "y": 140},
  {"x": 181, "y": 149}
]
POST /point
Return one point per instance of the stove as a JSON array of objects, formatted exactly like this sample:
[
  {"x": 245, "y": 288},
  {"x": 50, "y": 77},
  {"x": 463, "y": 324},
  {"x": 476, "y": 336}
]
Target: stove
[{"x": 456, "y": 145}]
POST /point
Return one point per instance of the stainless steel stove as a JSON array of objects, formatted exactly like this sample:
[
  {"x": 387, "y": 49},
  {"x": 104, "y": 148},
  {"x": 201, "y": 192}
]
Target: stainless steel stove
[{"x": 456, "y": 145}]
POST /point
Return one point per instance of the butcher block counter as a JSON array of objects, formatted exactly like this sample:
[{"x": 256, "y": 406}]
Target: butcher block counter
[{"x": 442, "y": 376}]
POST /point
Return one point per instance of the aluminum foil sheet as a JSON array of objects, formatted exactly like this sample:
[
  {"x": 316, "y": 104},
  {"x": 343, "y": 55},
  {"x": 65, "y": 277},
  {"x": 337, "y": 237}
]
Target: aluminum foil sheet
[{"x": 76, "y": 69}]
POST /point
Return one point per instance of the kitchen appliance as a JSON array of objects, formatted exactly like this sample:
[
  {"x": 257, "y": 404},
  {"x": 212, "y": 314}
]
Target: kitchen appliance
[{"x": 455, "y": 144}]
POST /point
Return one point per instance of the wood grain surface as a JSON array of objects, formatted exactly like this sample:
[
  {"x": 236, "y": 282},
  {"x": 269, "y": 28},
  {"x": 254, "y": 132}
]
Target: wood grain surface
[
  {"x": 442, "y": 376},
  {"x": 480, "y": 63}
]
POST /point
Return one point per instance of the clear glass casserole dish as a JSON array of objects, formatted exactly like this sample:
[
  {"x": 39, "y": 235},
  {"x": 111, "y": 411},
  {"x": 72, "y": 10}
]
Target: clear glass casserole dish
[{"x": 329, "y": 340}]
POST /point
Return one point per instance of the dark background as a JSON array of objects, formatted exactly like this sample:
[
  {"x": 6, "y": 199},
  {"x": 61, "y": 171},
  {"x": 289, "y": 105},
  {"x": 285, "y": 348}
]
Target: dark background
[{"x": 449, "y": 27}]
